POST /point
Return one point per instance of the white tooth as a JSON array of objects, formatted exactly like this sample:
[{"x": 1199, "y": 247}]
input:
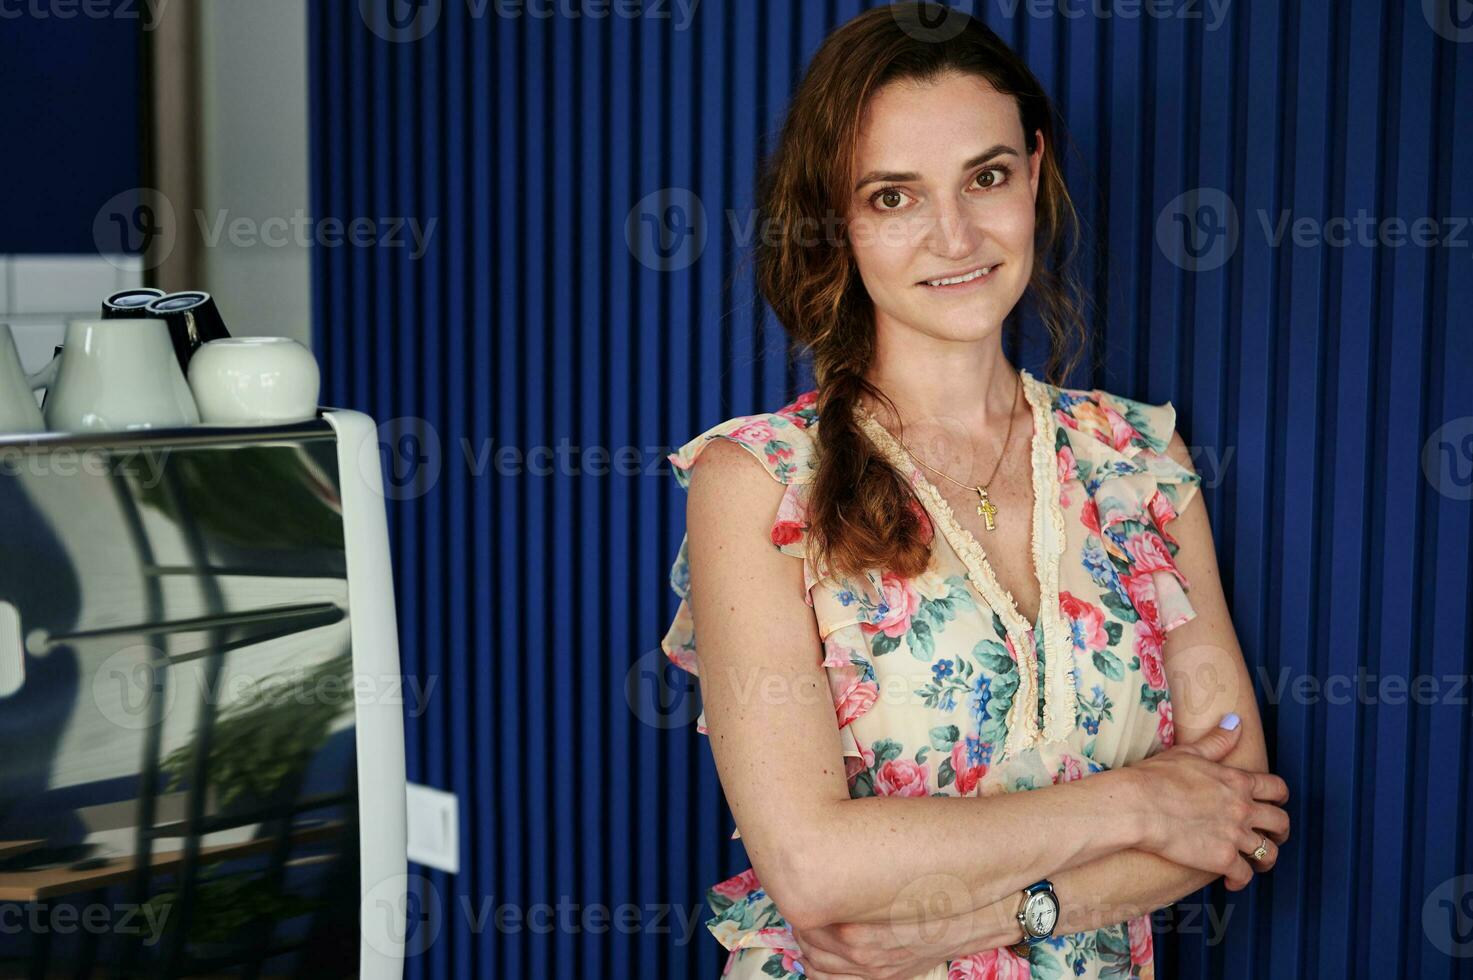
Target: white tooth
[{"x": 958, "y": 279}]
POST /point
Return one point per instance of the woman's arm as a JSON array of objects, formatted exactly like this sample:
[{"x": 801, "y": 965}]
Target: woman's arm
[
  {"x": 821, "y": 856},
  {"x": 1207, "y": 677},
  {"x": 1103, "y": 892}
]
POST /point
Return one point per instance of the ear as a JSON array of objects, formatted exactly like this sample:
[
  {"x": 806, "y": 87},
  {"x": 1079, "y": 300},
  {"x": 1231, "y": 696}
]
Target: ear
[{"x": 1035, "y": 161}]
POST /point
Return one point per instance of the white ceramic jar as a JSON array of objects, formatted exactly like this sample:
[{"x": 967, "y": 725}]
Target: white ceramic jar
[{"x": 254, "y": 380}]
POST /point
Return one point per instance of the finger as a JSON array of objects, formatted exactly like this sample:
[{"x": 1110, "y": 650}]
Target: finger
[
  {"x": 1270, "y": 788},
  {"x": 1269, "y": 859},
  {"x": 1270, "y": 820},
  {"x": 1214, "y": 745},
  {"x": 1239, "y": 875},
  {"x": 817, "y": 974},
  {"x": 816, "y": 958},
  {"x": 1248, "y": 840},
  {"x": 821, "y": 938},
  {"x": 1248, "y": 844}
]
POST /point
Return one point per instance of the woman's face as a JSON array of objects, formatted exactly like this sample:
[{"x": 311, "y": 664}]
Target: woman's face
[{"x": 943, "y": 186}]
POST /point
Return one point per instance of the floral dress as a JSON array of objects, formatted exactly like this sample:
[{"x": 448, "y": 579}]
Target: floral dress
[{"x": 993, "y": 704}]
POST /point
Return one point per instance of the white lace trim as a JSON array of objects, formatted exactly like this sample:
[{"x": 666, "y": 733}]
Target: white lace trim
[
  {"x": 1060, "y": 706},
  {"x": 1023, "y": 731}
]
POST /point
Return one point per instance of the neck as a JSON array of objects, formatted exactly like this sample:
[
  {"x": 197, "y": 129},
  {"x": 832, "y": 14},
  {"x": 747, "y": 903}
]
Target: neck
[{"x": 966, "y": 384}]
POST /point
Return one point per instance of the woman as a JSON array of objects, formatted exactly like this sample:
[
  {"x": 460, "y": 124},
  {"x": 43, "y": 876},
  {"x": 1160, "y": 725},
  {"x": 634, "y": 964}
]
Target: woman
[{"x": 974, "y": 729}]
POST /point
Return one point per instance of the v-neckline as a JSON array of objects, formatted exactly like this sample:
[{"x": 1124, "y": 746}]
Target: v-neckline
[
  {"x": 963, "y": 541},
  {"x": 1046, "y": 550}
]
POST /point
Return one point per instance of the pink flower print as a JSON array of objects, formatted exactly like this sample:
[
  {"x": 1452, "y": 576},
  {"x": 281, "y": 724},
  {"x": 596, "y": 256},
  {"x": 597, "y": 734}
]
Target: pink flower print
[
  {"x": 1148, "y": 648},
  {"x": 791, "y": 964},
  {"x": 1121, "y": 431},
  {"x": 1067, "y": 463},
  {"x": 994, "y": 964},
  {"x": 1142, "y": 944},
  {"x": 1069, "y": 770},
  {"x": 806, "y": 400},
  {"x": 901, "y": 601},
  {"x": 1162, "y": 512},
  {"x": 786, "y": 532},
  {"x": 739, "y": 886},
  {"x": 791, "y": 520},
  {"x": 1165, "y": 730},
  {"x": 1086, "y": 623},
  {"x": 923, "y": 519},
  {"x": 856, "y": 701},
  {"x": 1148, "y": 553},
  {"x": 1142, "y": 592},
  {"x": 757, "y": 432},
  {"x": 902, "y": 777},
  {"x": 1089, "y": 516},
  {"x": 1067, "y": 473}
]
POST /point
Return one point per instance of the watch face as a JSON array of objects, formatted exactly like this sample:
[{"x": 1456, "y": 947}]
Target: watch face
[{"x": 1041, "y": 914}]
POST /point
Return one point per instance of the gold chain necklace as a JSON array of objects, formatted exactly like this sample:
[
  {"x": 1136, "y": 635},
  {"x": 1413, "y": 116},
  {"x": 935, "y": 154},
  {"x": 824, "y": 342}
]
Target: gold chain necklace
[{"x": 986, "y": 507}]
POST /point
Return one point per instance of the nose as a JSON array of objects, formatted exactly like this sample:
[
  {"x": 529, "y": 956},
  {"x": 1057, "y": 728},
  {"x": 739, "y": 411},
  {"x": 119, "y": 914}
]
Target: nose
[{"x": 954, "y": 233}]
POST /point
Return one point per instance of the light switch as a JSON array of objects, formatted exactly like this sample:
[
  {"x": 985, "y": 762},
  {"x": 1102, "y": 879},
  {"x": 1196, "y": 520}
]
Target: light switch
[
  {"x": 12, "y": 653},
  {"x": 434, "y": 828}
]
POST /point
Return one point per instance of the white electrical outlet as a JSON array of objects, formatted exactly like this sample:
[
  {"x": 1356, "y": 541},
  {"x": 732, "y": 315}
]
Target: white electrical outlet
[{"x": 434, "y": 828}]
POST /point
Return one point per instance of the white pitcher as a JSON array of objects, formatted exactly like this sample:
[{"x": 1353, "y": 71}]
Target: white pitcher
[
  {"x": 18, "y": 409},
  {"x": 113, "y": 375}
]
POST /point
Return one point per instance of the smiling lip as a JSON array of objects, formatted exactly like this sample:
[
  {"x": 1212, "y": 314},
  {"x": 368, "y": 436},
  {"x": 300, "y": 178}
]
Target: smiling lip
[{"x": 979, "y": 280}]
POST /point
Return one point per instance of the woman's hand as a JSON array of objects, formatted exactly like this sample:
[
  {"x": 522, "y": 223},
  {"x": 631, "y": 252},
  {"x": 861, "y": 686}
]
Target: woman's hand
[
  {"x": 878, "y": 950},
  {"x": 1212, "y": 816}
]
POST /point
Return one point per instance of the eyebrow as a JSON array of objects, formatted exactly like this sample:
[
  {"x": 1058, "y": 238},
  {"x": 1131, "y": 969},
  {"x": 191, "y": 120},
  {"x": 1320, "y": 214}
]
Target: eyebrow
[{"x": 894, "y": 177}]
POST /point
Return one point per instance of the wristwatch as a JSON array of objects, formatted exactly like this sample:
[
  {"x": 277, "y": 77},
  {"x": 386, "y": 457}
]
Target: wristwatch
[{"x": 1038, "y": 914}]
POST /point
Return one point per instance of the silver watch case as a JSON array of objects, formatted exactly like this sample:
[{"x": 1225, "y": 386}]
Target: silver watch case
[{"x": 1039, "y": 914}]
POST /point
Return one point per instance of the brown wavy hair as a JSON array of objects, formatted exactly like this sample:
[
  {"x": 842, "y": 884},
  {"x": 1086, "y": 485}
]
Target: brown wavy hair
[{"x": 862, "y": 514}]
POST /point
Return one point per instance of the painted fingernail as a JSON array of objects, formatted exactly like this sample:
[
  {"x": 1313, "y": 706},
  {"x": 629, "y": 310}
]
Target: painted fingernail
[{"x": 1229, "y": 721}]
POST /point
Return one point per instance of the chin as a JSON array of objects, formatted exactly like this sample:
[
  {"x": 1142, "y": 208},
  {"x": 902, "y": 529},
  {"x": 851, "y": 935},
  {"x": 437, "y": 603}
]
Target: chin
[{"x": 967, "y": 322}]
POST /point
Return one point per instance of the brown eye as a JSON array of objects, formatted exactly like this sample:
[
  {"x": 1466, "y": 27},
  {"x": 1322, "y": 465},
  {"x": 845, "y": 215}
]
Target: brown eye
[
  {"x": 992, "y": 177},
  {"x": 890, "y": 199}
]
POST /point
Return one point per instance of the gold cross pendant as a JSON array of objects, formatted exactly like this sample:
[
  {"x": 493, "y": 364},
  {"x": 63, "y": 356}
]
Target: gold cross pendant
[{"x": 987, "y": 509}]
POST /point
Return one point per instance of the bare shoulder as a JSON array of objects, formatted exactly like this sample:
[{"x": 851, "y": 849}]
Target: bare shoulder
[{"x": 729, "y": 516}]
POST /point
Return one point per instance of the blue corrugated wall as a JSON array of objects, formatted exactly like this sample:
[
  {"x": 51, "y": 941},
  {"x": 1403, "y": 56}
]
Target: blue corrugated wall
[{"x": 1327, "y": 387}]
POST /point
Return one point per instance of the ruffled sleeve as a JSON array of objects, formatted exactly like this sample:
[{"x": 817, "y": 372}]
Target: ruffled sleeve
[
  {"x": 780, "y": 441},
  {"x": 1135, "y": 490}
]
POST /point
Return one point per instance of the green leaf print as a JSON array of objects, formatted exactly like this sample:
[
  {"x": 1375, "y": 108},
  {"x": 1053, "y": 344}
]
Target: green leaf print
[
  {"x": 943, "y": 737},
  {"x": 1112, "y": 944},
  {"x": 1109, "y": 665},
  {"x": 921, "y": 754},
  {"x": 1043, "y": 964},
  {"x": 884, "y": 643},
  {"x": 1113, "y": 631},
  {"x": 1118, "y": 606},
  {"x": 994, "y": 656},
  {"x": 943, "y": 609},
  {"x": 886, "y": 749},
  {"x": 995, "y": 728},
  {"x": 943, "y": 692},
  {"x": 945, "y": 774},
  {"x": 774, "y": 967},
  {"x": 921, "y": 639}
]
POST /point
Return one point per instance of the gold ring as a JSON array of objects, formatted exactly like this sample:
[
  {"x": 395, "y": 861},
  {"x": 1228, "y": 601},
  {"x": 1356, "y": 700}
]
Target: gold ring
[{"x": 1262, "y": 851}]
